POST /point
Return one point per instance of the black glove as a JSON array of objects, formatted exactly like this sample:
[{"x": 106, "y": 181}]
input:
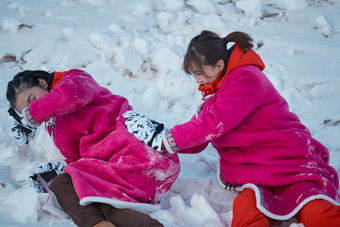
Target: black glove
[{"x": 43, "y": 174}]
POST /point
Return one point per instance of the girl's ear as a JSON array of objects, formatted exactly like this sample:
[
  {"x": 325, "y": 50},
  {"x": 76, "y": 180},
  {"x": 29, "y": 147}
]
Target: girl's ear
[
  {"x": 43, "y": 83},
  {"x": 220, "y": 64}
]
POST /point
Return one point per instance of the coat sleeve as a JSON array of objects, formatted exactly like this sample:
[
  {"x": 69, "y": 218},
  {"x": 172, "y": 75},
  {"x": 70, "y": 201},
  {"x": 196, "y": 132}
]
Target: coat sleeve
[
  {"x": 76, "y": 89},
  {"x": 233, "y": 103}
]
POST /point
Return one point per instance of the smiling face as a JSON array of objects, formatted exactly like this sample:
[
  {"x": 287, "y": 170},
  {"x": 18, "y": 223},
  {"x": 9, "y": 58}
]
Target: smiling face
[
  {"x": 26, "y": 95},
  {"x": 207, "y": 74}
]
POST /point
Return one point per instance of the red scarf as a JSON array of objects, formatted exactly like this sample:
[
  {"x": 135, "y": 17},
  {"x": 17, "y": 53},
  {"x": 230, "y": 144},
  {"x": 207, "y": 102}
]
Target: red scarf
[
  {"x": 238, "y": 58},
  {"x": 57, "y": 79}
]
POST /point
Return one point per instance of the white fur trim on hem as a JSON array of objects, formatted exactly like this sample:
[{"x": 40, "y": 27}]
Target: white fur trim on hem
[
  {"x": 291, "y": 214},
  {"x": 143, "y": 207},
  {"x": 166, "y": 143},
  {"x": 52, "y": 205}
]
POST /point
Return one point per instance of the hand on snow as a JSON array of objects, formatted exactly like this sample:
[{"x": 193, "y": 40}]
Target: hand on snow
[
  {"x": 28, "y": 119},
  {"x": 23, "y": 134},
  {"x": 43, "y": 174},
  {"x": 146, "y": 130}
]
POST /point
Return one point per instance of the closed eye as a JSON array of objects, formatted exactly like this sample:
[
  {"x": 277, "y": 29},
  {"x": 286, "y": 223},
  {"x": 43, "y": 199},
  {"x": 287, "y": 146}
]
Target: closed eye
[
  {"x": 198, "y": 73},
  {"x": 31, "y": 98}
]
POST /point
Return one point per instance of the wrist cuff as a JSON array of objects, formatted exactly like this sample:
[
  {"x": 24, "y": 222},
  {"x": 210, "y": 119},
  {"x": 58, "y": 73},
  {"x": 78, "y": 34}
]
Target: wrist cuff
[
  {"x": 169, "y": 142},
  {"x": 27, "y": 117}
]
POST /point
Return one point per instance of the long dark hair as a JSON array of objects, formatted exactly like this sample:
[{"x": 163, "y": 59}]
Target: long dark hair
[
  {"x": 208, "y": 48},
  {"x": 26, "y": 79}
]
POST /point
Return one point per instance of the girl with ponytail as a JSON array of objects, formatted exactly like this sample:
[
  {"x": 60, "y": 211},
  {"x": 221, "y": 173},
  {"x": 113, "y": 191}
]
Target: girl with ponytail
[{"x": 266, "y": 154}]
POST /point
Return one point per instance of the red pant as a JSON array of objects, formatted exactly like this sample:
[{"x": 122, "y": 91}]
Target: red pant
[{"x": 315, "y": 213}]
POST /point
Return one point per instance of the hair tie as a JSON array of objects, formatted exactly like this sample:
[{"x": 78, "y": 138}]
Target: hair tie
[{"x": 226, "y": 40}]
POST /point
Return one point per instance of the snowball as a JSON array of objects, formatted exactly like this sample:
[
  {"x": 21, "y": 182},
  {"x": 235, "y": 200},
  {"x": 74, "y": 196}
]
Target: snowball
[
  {"x": 141, "y": 45},
  {"x": 163, "y": 19},
  {"x": 205, "y": 211},
  {"x": 183, "y": 86},
  {"x": 213, "y": 20},
  {"x": 173, "y": 5},
  {"x": 151, "y": 97},
  {"x": 294, "y": 4},
  {"x": 118, "y": 57},
  {"x": 21, "y": 205},
  {"x": 7, "y": 184},
  {"x": 202, "y": 6},
  {"x": 67, "y": 33},
  {"x": 40, "y": 53},
  {"x": 10, "y": 25},
  {"x": 294, "y": 51},
  {"x": 165, "y": 60},
  {"x": 98, "y": 41},
  {"x": 48, "y": 13},
  {"x": 114, "y": 28},
  {"x": 132, "y": 61},
  {"x": 323, "y": 26},
  {"x": 251, "y": 7},
  {"x": 143, "y": 8},
  {"x": 200, "y": 214}
]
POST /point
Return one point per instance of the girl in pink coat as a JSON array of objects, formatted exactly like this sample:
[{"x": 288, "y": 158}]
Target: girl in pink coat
[
  {"x": 109, "y": 173},
  {"x": 266, "y": 154}
]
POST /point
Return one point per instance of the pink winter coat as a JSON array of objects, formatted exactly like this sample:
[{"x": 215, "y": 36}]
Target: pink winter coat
[
  {"x": 262, "y": 144},
  {"x": 107, "y": 163}
]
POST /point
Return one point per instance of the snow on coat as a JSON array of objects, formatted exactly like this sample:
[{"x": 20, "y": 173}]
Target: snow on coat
[
  {"x": 107, "y": 163},
  {"x": 261, "y": 143}
]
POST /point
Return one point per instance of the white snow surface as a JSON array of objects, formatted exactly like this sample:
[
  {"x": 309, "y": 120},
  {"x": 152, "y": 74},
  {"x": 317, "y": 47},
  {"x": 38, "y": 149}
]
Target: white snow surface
[{"x": 135, "y": 48}]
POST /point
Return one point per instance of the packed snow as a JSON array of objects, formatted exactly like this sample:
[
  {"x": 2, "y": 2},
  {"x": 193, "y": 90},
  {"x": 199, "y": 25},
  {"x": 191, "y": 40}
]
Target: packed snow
[{"x": 135, "y": 49}]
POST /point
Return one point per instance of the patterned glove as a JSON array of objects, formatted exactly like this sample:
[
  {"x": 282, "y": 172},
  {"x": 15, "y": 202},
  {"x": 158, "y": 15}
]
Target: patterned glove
[
  {"x": 28, "y": 119},
  {"x": 146, "y": 130},
  {"x": 23, "y": 134},
  {"x": 43, "y": 174}
]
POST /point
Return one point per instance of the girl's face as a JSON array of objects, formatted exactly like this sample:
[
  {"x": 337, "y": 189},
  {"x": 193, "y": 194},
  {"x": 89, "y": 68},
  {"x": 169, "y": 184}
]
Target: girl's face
[
  {"x": 26, "y": 96},
  {"x": 208, "y": 74}
]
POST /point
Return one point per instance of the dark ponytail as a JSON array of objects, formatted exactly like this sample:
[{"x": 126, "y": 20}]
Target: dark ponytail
[
  {"x": 208, "y": 48},
  {"x": 242, "y": 39},
  {"x": 26, "y": 79}
]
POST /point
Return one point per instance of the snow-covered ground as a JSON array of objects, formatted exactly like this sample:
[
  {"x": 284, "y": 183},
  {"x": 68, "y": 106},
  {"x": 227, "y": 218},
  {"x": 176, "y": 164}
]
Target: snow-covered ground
[{"x": 135, "y": 48}]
